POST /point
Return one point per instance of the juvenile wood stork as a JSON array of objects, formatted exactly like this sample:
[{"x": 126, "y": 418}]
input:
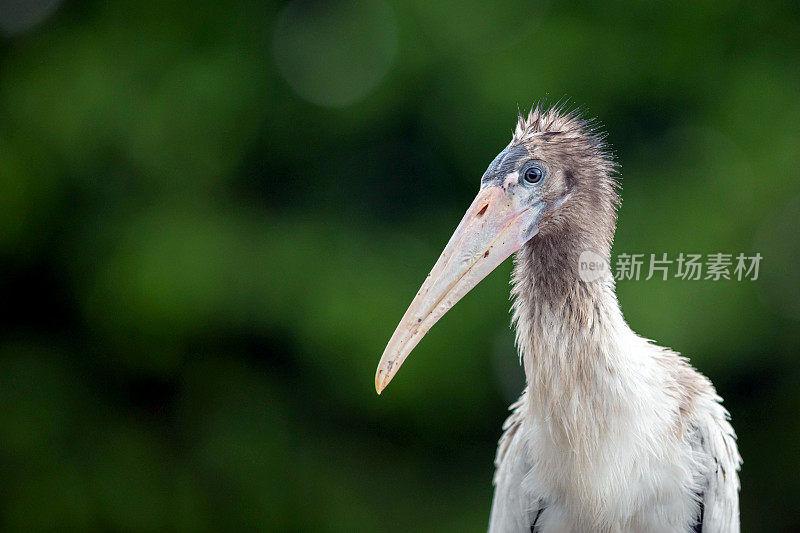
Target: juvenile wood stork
[{"x": 612, "y": 433}]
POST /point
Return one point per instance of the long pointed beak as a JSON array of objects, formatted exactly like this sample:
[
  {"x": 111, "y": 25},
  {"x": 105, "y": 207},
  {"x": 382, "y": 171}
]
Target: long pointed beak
[{"x": 494, "y": 227}]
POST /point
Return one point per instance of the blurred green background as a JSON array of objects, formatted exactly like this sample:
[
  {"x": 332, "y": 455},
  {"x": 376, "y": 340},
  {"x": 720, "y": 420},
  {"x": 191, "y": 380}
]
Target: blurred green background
[{"x": 213, "y": 214}]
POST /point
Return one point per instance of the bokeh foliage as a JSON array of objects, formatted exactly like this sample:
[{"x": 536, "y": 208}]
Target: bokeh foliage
[{"x": 212, "y": 215}]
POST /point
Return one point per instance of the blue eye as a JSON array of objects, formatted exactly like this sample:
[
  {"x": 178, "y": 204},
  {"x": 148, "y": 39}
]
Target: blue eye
[{"x": 533, "y": 174}]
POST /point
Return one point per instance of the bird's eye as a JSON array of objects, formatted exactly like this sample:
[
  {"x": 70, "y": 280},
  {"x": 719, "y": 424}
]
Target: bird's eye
[{"x": 533, "y": 174}]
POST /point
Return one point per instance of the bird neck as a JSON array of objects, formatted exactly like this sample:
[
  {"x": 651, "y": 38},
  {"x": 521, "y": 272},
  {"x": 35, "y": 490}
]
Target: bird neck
[{"x": 572, "y": 337}]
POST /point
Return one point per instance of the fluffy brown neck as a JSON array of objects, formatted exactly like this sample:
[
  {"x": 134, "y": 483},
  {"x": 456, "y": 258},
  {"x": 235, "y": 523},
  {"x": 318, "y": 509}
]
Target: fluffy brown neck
[
  {"x": 546, "y": 272},
  {"x": 570, "y": 333}
]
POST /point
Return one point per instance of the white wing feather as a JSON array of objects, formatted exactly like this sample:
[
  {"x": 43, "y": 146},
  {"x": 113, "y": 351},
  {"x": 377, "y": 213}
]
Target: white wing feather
[
  {"x": 717, "y": 439},
  {"x": 511, "y": 507}
]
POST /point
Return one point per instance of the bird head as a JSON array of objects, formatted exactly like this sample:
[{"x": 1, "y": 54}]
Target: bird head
[{"x": 554, "y": 174}]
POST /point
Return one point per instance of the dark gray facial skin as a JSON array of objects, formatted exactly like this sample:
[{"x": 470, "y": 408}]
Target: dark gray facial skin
[
  {"x": 513, "y": 163},
  {"x": 505, "y": 163}
]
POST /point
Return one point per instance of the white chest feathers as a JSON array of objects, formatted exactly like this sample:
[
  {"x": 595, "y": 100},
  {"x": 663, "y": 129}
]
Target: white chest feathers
[{"x": 607, "y": 427}]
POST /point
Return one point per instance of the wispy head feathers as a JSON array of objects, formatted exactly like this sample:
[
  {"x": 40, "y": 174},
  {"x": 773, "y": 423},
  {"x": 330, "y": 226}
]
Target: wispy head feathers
[
  {"x": 574, "y": 145},
  {"x": 559, "y": 123},
  {"x": 569, "y": 138}
]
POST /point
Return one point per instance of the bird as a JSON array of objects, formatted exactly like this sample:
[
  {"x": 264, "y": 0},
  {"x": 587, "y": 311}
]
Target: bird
[{"x": 612, "y": 433}]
